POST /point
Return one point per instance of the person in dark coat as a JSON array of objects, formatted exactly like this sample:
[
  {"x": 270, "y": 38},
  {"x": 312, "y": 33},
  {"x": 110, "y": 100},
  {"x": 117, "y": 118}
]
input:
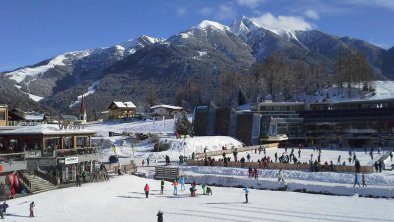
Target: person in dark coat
[
  {"x": 242, "y": 162},
  {"x": 31, "y": 209},
  {"x": 160, "y": 216},
  {"x": 380, "y": 166},
  {"x": 250, "y": 171},
  {"x": 357, "y": 165},
  {"x": 376, "y": 165},
  {"x": 78, "y": 177},
  {"x": 161, "y": 186}
]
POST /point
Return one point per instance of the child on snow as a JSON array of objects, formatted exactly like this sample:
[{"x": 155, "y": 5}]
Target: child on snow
[
  {"x": 246, "y": 190},
  {"x": 280, "y": 177},
  {"x": 182, "y": 182},
  {"x": 209, "y": 191},
  {"x": 175, "y": 184},
  {"x": 161, "y": 186},
  {"x": 203, "y": 189},
  {"x": 146, "y": 189}
]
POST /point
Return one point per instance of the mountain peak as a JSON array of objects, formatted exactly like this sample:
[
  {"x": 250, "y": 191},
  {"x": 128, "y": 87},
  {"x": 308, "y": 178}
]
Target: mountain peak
[
  {"x": 243, "y": 25},
  {"x": 206, "y": 24}
]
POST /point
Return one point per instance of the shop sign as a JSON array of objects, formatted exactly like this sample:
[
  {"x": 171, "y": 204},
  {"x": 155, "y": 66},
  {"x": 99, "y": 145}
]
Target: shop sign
[{"x": 71, "y": 160}]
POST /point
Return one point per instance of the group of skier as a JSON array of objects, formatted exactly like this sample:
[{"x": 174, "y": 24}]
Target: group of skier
[{"x": 193, "y": 188}]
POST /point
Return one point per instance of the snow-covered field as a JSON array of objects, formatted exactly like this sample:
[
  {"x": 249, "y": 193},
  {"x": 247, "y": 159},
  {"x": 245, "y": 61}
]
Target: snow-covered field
[{"x": 122, "y": 199}]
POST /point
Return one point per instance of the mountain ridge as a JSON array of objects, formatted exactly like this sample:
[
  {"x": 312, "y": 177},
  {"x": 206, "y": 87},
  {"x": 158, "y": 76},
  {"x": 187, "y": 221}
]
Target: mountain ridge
[{"x": 204, "y": 51}]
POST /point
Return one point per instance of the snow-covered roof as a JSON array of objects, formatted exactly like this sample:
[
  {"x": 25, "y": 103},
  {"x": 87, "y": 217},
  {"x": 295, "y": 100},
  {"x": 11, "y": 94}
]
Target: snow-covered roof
[
  {"x": 44, "y": 129},
  {"x": 34, "y": 117},
  {"x": 167, "y": 107},
  {"x": 124, "y": 104}
]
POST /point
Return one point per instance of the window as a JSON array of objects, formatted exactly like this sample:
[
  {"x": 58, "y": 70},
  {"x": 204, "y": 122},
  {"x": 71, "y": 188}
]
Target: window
[{"x": 2, "y": 115}]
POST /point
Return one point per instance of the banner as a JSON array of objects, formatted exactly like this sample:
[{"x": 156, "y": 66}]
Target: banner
[{"x": 71, "y": 160}]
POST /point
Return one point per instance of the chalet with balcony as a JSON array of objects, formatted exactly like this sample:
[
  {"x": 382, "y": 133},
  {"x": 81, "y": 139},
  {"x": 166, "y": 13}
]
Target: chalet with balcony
[{"x": 121, "y": 110}]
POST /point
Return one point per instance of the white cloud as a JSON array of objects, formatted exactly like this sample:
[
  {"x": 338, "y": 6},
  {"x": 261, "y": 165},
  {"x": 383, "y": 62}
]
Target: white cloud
[
  {"x": 225, "y": 12},
  {"x": 180, "y": 12},
  {"x": 206, "y": 11},
  {"x": 281, "y": 24},
  {"x": 310, "y": 13},
  {"x": 249, "y": 3}
]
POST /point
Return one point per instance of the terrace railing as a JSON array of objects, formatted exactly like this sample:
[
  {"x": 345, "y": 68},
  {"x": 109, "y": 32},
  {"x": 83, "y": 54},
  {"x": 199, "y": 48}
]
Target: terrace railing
[
  {"x": 11, "y": 157},
  {"x": 77, "y": 151}
]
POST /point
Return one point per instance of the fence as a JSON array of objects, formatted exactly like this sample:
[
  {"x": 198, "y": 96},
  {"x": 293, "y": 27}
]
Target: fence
[
  {"x": 131, "y": 168},
  {"x": 284, "y": 166},
  {"x": 230, "y": 151},
  {"x": 167, "y": 173}
]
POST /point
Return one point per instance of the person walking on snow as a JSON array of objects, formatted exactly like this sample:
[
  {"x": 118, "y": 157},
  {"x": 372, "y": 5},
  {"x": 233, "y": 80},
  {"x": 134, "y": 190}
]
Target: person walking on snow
[
  {"x": 363, "y": 180},
  {"x": 246, "y": 190},
  {"x": 250, "y": 171},
  {"x": 78, "y": 179},
  {"x": 256, "y": 175},
  {"x": 175, "y": 184},
  {"x": 182, "y": 182},
  {"x": 356, "y": 181},
  {"x": 146, "y": 189},
  {"x": 147, "y": 161},
  {"x": 203, "y": 186},
  {"x": 161, "y": 186},
  {"x": 143, "y": 163},
  {"x": 31, "y": 209},
  {"x": 280, "y": 177},
  {"x": 248, "y": 157}
]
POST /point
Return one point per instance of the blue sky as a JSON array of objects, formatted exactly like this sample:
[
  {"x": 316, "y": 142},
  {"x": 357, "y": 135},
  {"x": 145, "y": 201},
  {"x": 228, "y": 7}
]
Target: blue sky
[{"x": 34, "y": 30}]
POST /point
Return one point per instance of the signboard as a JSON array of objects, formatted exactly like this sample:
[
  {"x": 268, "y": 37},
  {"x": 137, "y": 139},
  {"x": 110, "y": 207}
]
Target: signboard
[
  {"x": 1, "y": 168},
  {"x": 71, "y": 160}
]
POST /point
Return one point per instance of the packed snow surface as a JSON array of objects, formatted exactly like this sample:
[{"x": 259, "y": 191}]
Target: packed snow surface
[{"x": 122, "y": 199}]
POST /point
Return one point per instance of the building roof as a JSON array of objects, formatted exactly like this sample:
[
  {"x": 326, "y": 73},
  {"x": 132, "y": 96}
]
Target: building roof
[
  {"x": 167, "y": 107},
  {"x": 124, "y": 104},
  {"x": 27, "y": 116},
  {"x": 43, "y": 129}
]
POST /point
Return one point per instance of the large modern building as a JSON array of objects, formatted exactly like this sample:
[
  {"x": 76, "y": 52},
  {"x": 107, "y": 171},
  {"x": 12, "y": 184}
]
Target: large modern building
[{"x": 351, "y": 123}]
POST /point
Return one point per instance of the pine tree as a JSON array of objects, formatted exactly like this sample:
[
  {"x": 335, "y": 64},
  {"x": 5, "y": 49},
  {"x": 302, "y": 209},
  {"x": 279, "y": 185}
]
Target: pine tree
[{"x": 182, "y": 125}]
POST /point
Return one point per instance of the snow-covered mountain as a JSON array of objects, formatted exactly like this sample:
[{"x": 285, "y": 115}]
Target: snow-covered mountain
[
  {"x": 199, "y": 55},
  {"x": 73, "y": 68}
]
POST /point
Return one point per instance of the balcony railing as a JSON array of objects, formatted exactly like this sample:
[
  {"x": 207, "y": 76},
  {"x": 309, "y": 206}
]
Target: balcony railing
[
  {"x": 11, "y": 157},
  {"x": 63, "y": 152},
  {"x": 77, "y": 151}
]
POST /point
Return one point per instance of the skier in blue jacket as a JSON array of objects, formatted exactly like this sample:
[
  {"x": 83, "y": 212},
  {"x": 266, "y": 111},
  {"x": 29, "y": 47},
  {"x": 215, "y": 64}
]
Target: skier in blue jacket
[
  {"x": 246, "y": 190},
  {"x": 182, "y": 182}
]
